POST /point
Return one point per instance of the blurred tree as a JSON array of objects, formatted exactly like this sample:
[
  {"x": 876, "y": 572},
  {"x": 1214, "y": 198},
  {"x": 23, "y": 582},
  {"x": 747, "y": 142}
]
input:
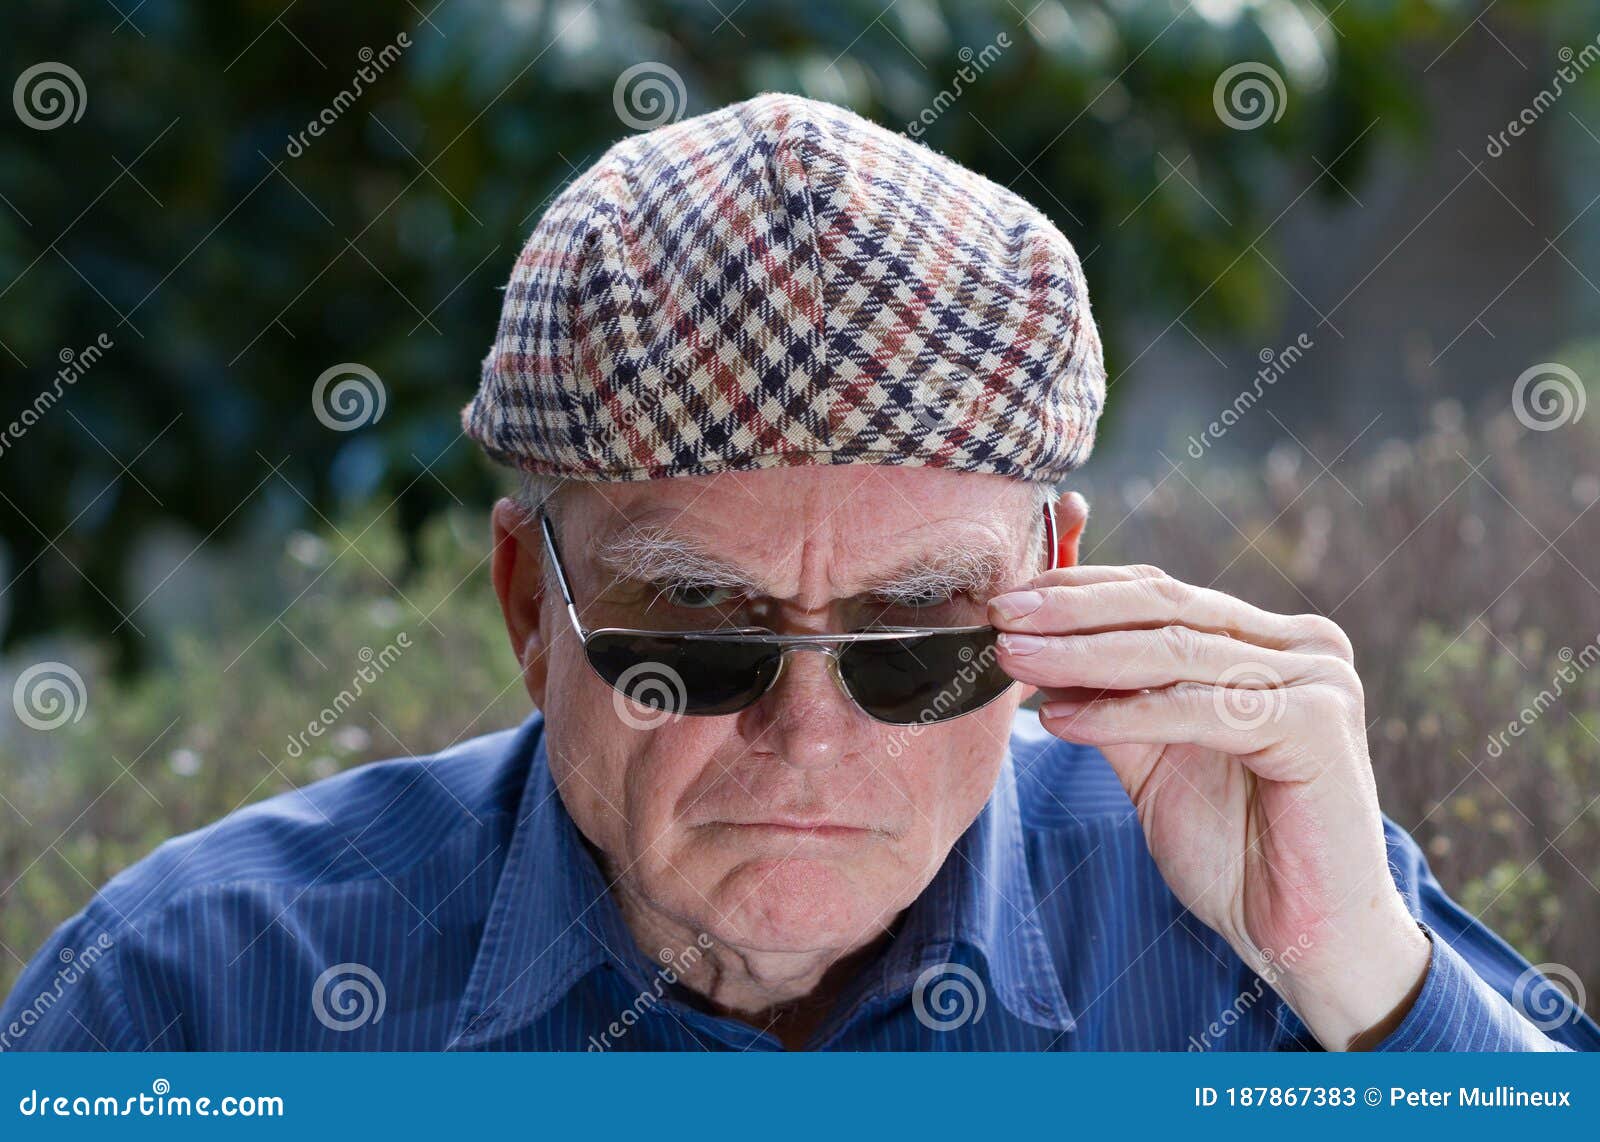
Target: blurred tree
[{"x": 182, "y": 209}]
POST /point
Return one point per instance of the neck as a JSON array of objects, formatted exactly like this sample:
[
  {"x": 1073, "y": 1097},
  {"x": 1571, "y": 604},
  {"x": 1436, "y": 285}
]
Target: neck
[{"x": 786, "y": 993}]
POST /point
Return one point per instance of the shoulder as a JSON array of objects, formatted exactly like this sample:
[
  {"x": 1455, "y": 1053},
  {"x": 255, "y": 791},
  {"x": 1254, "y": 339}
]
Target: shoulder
[
  {"x": 1061, "y": 785},
  {"x": 373, "y": 821}
]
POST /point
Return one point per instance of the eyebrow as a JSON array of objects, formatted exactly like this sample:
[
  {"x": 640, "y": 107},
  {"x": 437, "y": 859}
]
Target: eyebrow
[{"x": 655, "y": 555}]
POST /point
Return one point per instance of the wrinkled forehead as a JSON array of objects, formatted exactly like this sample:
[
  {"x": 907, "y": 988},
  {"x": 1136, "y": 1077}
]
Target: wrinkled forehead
[{"x": 788, "y": 529}]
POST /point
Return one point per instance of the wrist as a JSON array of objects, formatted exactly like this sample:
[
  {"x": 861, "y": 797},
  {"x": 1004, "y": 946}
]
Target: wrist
[{"x": 1352, "y": 995}]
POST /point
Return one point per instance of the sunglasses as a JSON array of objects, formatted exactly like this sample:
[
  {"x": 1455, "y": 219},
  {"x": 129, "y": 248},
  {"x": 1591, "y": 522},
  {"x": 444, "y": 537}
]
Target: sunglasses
[{"x": 899, "y": 675}]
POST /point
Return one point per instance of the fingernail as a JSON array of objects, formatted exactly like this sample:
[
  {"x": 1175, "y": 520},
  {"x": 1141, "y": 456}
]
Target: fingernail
[
  {"x": 1020, "y": 643},
  {"x": 1017, "y": 604},
  {"x": 1062, "y": 709}
]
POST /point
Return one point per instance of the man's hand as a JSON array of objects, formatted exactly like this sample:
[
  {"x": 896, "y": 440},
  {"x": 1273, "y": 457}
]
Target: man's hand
[{"x": 1240, "y": 736}]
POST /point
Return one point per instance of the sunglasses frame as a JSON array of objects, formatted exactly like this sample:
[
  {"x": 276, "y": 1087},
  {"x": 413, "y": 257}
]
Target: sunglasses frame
[{"x": 831, "y": 645}]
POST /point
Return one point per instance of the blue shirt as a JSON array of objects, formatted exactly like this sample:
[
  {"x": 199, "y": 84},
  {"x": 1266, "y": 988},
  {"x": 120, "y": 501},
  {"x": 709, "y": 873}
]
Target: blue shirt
[{"x": 448, "y": 903}]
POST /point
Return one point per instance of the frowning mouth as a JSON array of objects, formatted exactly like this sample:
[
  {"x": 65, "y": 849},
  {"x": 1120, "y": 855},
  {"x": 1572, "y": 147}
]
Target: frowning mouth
[{"x": 797, "y": 828}]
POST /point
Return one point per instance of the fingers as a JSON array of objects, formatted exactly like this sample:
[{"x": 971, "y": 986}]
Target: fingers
[
  {"x": 1135, "y": 659},
  {"x": 1086, "y": 600},
  {"x": 1251, "y": 724},
  {"x": 1080, "y": 574}
]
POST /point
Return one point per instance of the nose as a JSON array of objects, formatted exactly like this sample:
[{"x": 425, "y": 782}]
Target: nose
[{"x": 805, "y": 720}]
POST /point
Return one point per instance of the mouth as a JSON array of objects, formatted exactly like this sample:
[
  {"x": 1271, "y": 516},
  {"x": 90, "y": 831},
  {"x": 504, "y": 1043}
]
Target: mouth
[{"x": 796, "y": 828}]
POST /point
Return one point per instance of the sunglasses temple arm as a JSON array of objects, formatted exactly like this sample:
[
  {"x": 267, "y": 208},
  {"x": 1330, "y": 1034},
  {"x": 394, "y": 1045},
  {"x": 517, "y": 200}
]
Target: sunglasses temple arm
[
  {"x": 1051, "y": 554},
  {"x": 561, "y": 574}
]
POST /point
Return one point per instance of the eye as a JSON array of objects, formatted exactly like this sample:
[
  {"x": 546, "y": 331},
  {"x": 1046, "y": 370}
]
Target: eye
[{"x": 696, "y": 596}]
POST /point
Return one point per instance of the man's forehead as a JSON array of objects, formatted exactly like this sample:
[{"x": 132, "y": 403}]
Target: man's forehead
[{"x": 859, "y": 522}]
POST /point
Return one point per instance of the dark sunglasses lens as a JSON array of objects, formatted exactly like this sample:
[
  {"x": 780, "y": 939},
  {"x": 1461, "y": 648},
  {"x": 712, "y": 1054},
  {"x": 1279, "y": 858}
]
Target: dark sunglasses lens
[
  {"x": 684, "y": 675},
  {"x": 924, "y": 678}
]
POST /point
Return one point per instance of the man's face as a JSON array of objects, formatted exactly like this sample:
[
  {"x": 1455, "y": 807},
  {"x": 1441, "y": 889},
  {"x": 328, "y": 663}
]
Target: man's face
[{"x": 799, "y": 824}]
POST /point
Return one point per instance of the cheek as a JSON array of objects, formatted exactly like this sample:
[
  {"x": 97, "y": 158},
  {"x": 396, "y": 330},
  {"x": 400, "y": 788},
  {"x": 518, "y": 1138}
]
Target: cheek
[
  {"x": 948, "y": 774},
  {"x": 622, "y": 783},
  {"x": 950, "y": 768}
]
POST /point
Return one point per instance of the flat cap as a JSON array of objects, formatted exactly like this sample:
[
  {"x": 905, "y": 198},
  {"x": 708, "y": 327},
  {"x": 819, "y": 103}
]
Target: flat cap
[{"x": 782, "y": 282}]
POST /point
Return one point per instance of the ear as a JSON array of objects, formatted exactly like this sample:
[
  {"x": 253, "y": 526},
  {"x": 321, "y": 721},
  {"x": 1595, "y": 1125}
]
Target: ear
[
  {"x": 517, "y": 567},
  {"x": 1072, "y": 514}
]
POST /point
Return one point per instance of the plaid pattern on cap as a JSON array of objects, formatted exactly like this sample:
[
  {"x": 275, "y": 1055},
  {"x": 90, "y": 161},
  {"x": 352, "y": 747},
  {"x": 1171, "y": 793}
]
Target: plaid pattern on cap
[{"x": 782, "y": 282}]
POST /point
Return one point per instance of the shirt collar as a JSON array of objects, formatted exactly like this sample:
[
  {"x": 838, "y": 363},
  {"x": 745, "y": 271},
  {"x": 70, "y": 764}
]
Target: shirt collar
[{"x": 553, "y": 919}]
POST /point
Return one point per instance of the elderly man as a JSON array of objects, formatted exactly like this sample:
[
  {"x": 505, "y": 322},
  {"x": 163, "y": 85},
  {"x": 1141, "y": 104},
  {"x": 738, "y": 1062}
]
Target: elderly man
[{"x": 791, "y": 395}]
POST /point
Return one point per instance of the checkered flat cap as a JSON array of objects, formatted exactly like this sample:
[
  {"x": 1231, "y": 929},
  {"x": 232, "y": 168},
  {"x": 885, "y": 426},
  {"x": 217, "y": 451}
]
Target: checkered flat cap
[{"x": 782, "y": 282}]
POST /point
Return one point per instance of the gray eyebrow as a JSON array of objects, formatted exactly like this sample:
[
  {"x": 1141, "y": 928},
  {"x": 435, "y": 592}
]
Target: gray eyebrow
[
  {"x": 955, "y": 571},
  {"x": 656, "y": 555}
]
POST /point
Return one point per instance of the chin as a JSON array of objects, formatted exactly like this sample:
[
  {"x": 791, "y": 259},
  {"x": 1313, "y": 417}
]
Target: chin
[{"x": 798, "y": 905}]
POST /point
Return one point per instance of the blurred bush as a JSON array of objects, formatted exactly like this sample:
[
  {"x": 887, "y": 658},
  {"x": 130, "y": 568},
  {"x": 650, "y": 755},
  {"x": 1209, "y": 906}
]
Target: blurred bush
[{"x": 171, "y": 750}]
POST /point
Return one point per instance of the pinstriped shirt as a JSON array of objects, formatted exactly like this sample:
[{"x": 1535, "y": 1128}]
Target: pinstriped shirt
[{"x": 449, "y": 903}]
